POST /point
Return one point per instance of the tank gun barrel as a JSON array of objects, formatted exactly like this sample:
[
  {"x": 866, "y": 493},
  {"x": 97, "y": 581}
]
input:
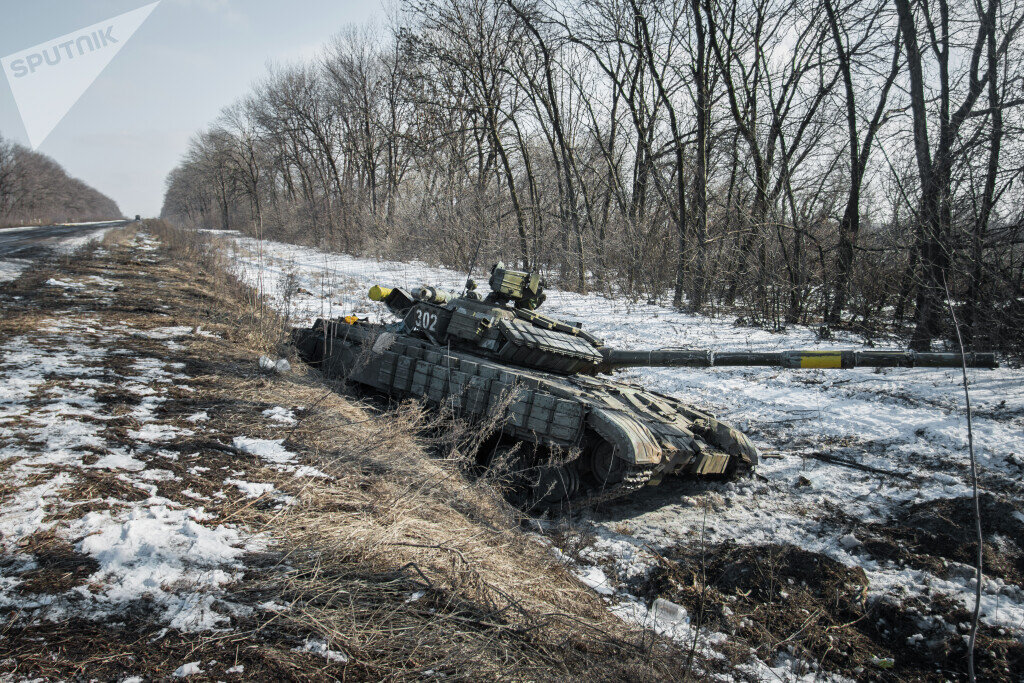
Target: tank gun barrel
[
  {"x": 432, "y": 295},
  {"x": 842, "y": 359}
]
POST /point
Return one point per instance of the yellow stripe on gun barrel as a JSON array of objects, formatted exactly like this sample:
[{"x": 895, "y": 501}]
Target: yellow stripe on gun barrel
[{"x": 824, "y": 359}]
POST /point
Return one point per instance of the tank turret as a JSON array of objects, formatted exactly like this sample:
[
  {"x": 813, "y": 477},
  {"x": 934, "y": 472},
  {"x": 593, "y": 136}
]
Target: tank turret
[
  {"x": 571, "y": 435},
  {"x": 506, "y": 326}
]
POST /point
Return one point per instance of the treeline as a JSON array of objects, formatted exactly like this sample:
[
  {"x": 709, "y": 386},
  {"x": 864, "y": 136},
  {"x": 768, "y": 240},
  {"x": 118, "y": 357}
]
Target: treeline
[
  {"x": 35, "y": 190},
  {"x": 844, "y": 161}
]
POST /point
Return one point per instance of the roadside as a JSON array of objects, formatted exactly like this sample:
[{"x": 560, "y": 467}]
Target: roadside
[{"x": 167, "y": 509}]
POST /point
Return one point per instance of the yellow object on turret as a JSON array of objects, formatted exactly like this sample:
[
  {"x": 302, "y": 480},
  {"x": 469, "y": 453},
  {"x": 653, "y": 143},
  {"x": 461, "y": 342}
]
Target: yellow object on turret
[{"x": 378, "y": 293}]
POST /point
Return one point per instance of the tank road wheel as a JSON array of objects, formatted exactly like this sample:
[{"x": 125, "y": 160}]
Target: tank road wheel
[
  {"x": 607, "y": 468},
  {"x": 555, "y": 484},
  {"x": 509, "y": 466}
]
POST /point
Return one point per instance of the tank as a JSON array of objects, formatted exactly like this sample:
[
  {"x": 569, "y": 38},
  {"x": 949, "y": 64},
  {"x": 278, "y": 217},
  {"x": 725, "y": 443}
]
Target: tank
[{"x": 562, "y": 432}]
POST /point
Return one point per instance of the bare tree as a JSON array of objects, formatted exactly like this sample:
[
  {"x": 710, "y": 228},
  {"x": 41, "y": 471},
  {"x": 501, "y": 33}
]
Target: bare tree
[
  {"x": 853, "y": 30},
  {"x": 35, "y": 189},
  {"x": 738, "y": 157},
  {"x": 936, "y": 156}
]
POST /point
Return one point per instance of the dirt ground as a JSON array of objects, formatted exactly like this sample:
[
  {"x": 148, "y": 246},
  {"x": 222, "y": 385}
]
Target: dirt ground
[{"x": 780, "y": 598}]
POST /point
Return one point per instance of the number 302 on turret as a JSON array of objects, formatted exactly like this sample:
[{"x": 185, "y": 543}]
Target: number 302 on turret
[{"x": 422, "y": 319}]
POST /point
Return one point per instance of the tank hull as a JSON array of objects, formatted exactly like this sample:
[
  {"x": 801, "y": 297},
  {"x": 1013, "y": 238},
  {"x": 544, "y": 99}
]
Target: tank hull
[{"x": 588, "y": 439}]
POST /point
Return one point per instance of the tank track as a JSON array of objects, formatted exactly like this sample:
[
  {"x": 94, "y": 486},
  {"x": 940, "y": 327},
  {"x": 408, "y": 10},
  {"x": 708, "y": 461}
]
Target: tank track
[{"x": 635, "y": 478}]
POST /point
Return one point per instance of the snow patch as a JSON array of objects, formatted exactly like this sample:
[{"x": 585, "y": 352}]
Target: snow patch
[
  {"x": 11, "y": 269},
  {"x": 53, "y": 282},
  {"x": 280, "y": 414},
  {"x": 157, "y": 433},
  {"x": 251, "y": 489},
  {"x": 188, "y": 669},
  {"x": 153, "y": 553},
  {"x": 595, "y": 578},
  {"x": 22, "y": 514},
  {"x": 319, "y": 647},
  {"x": 164, "y": 333},
  {"x": 270, "y": 450}
]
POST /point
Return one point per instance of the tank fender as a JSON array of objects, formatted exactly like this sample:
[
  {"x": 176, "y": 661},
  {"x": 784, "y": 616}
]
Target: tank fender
[
  {"x": 632, "y": 440},
  {"x": 732, "y": 441}
]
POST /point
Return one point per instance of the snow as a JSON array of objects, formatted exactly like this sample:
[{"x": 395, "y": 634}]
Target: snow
[
  {"x": 273, "y": 452},
  {"x": 102, "y": 281},
  {"x": 152, "y": 474},
  {"x": 23, "y": 514},
  {"x": 157, "y": 433},
  {"x": 269, "y": 450},
  {"x": 280, "y": 414},
  {"x": 187, "y": 670},
  {"x": 321, "y": 648},
  {"x": 53, "y": 282},
  {"x": 595, "y": 578},
  {"x": 251, "y": 489},
  {"x": 157, "y": 547},
  {"x": 67, "y": 466},
  {"x": 166, "y": 332},
  {"x": 73, "y": 243},
  {"x": 119, "y": 460},
  {"x": 94, "y": 222},
  {"x": 910, "y": 422},
  {"x": 11, "y": 269},
  {"x": 849, "y": 542}
]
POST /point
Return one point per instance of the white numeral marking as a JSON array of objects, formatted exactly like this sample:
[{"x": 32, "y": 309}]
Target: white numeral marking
[{"x": 425, "y": 321}]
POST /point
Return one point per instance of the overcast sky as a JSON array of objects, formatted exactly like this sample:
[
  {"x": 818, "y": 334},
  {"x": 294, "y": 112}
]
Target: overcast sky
[{"x": 187, "y": 61}]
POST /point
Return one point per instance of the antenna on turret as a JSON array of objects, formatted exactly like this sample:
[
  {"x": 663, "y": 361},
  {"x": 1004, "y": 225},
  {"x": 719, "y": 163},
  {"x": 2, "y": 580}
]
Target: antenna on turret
[{"x": 472, "y": 265}]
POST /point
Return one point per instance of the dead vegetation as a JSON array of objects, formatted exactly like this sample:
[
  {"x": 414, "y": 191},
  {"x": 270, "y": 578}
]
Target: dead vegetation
[
  {"x": 789, "y": 603},
  {"x": 929, "y": 536},
  {"x": 397, "y": 560}
]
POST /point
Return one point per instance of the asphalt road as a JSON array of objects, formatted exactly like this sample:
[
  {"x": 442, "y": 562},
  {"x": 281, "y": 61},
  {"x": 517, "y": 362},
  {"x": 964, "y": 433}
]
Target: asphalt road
[{"x": 14, "y": 241}]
